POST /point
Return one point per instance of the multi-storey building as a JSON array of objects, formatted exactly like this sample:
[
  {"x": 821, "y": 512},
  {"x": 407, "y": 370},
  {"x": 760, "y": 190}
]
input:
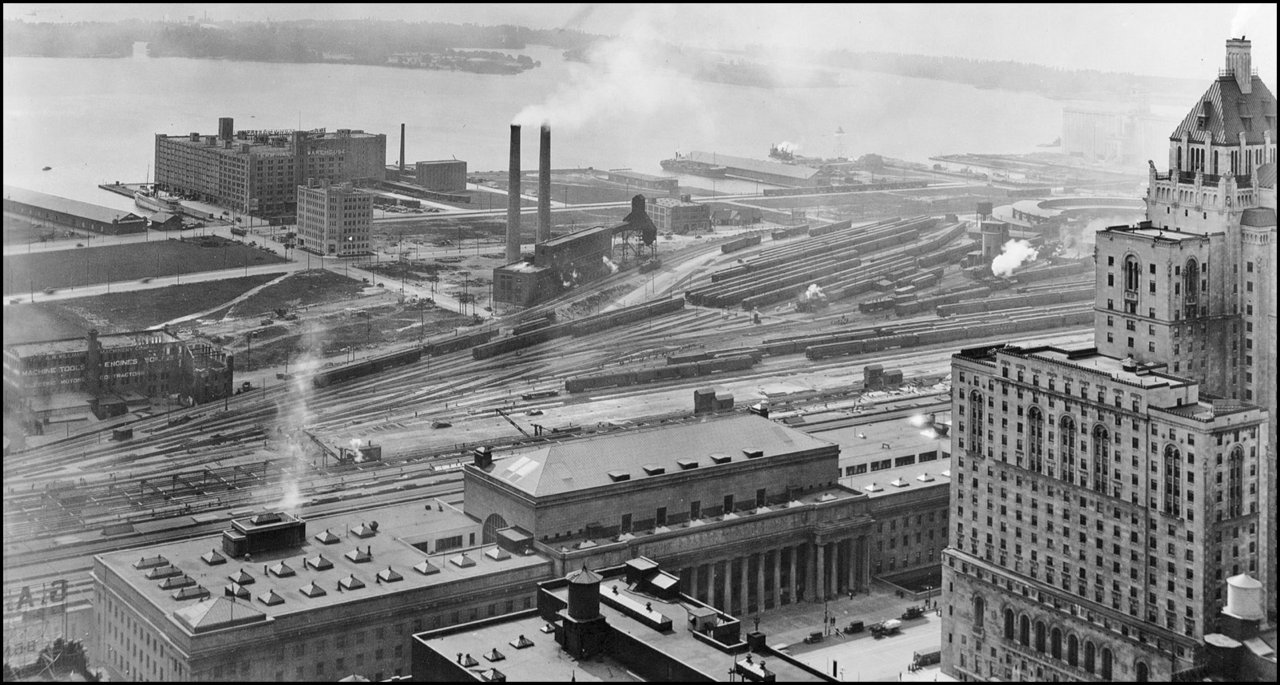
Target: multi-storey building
[
  {"x": 334, "y": 219},
  {"x": 258, "y": 172},
  {"x": 444, "y": 175},
  {"x": 679, "y": 215},
  {"x": 1102, "y": 496}
]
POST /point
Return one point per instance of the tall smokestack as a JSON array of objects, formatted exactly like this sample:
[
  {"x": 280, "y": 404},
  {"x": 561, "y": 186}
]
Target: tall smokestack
[
  {"x": 402, "y": 150},
  {"x": 513, "y": 198},
  {"x": 544, "y": 185}
]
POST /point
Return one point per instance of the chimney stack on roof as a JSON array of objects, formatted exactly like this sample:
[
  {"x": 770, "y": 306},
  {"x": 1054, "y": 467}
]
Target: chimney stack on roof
[{"x": 1239, "y": 63}]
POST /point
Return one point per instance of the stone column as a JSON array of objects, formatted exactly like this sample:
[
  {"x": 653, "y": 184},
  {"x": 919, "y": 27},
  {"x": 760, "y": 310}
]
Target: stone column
[
  {"x": 865, "y": 562},
  {"x": 819, "y": 578},
  {"x": 853, "y": 564},
  {"x": 743, "y": 576},
  {"x": 791, "y": 580},
  {"x": 760, "y": 564},
  {"x": 777, "y": 578},
  {"x": 727, "y": 606},
  {"x": 833, "y": 576},
  {"x": 693, "y": 582}
]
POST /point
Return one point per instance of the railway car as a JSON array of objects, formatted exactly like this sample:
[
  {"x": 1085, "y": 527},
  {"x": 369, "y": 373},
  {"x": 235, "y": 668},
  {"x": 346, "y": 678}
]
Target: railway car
[
  {"x": 456, "y": 343},
  {"x": 740, "y": 244},
  {"x": 365, "y": 367}
]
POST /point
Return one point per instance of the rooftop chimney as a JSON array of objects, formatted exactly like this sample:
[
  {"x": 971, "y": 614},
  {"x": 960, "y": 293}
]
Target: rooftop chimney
[
  {"x": 544, "y": 185},
  {"x": 1238, "y": 63},
  {"x": 513, "y": 198},
  {"x": 402, "y": 150}
]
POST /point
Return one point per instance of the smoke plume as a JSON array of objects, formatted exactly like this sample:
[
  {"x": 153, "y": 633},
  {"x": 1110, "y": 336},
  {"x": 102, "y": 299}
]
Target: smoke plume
[
  {"x": 786, "y": 146},
  {"x": 1011, "y": 256},
  {"x": 293, "y": 415},
  {"x": 622, "y": 74},
  {"x": 613, "y": 268},
  {"x": 814, "y": 292}
]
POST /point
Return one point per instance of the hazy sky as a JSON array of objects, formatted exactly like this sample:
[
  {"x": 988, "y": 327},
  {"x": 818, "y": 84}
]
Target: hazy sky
[{"x": 1164, "y": 39}]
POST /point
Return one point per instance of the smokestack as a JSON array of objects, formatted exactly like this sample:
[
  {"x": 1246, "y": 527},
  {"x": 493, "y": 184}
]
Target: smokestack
[
  {"x": 544, "y": 185},
  {"x": 1238, "y": 63},
  {"x": 513, "y": 198},
  {"x": 402, "y": 150}
]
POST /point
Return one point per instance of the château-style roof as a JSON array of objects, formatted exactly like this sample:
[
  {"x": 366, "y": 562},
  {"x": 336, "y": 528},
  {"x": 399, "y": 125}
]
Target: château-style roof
[{"x": 1224, "y": 112}]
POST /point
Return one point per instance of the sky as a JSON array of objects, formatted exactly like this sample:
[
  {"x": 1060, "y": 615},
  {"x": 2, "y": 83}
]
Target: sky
[{"x": 1165, "y": 39}]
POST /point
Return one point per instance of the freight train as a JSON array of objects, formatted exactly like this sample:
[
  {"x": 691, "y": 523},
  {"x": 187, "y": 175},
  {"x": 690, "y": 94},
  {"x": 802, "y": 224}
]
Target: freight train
[
  {"x": 660, "y": 373},
  {"x": 347, "y": 372},
  {"x": 579, "y": 327}
]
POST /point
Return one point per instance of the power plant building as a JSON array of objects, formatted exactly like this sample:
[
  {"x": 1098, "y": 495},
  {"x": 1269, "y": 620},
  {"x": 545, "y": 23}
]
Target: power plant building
[
  {"x": 334, "y": 219},
  {"x": 1105, "y": 495},
  {"x": 258, "y": 172},
  {"x": 446, "y": 175}
]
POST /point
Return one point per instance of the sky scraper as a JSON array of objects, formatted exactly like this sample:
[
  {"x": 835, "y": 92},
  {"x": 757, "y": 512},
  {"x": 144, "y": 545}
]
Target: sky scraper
[{"x": 1104, "y": 495}]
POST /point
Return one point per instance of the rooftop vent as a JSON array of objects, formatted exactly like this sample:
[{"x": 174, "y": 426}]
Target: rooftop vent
[
  {"x": 493, "y": 675},
  {"x": 899, "y": 483},
  {"x": 161, "y": 572},
  {"x": 365, "y": 531},
  {"x": 177, "y": 582},
  {"x": 241, "y": 578},
  {"x": 213, "y": 558},
  {"x": 462, "y": 561},
  {"x": 521, "y": 642},
  {"x": 313, "y": 590},
  {"x": 192, "y": 592},
  {"x": 753, "y": 452},
  {"x": 150, "y": 562},
  {"x": 351, "y": 582},
  {"x": 924, "y": 477},
  {"x": 721, "y": 458},
  {"x": 359, "y": 556},
  {"x": 494, "y": 655},
  {"x": 319, "y": 563},
  {"x": 946, "y": 474},
  {"x": 469, "y": 661},
  {"x": 327, "y": 537},
  {"x": 282, "y": 570},
  {"x": 390, "y": 575},
  {"x": 264, "y": 519},
  {"x": 234, "y": 590},
  {"x": 873, "y": 488},
  {"x": 619, "y": 476},
  {"x": 654, "y": 469},
  {"x": 497, "y": 554},
  {"x": 270, "y": 598},
  {"x": 686, "y": 464},
  {"x": 426, "y": 568}
]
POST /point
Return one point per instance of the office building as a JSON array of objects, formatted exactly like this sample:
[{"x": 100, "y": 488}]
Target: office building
[
  {"x": 334, "y": 219},
  {"x": 1101, "y": 497}
]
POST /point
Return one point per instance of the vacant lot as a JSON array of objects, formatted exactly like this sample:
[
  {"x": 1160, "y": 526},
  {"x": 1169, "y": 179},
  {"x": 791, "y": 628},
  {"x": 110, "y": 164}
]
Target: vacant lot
[
  {"x": 86, "y": 266},
  {"x": 298, "y": 289},
  {"x": 118, "y": 312}
]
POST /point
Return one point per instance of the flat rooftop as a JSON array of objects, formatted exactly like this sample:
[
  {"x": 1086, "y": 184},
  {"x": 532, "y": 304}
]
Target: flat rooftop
[
  {"x": 108, "y": 341},
  {"x": 862, "y": 443},
  {"x": 588, "y": 462},
  {"x": 627, "y": 173},
  {"x": 389, "y": 548},
  {"x": 1087, "y": 358},
  {"x": 67, "y": 206},
  {"x": 891, "y": 481},
  {"x": 570, "y": 237}
]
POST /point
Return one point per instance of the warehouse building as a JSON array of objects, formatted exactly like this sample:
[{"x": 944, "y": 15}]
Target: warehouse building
[
  {"x": 445, "y": 175},
  {"x": 672, "y": 215},
  {"x": 71, "y": 213},
  {"x": 774, "y": 173},
  {"x": 258, "y": 172},
  {"x": 668, "y": 185}
]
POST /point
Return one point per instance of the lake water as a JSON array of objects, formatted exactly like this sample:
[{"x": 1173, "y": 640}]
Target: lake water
[{"x": 94, "y": 120}]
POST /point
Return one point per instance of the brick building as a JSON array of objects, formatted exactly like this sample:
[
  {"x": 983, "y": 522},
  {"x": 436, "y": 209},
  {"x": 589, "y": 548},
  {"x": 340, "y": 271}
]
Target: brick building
[
  {"x": 445, "y": 175},
  {"x": 334, "y": 219},
  {"x": 679, "y": 215}
]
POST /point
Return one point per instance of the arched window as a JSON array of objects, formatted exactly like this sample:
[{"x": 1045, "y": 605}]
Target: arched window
[
  {"x": 1132, "y": 273},
  {"x": 1008, "y": 624},
  {"x": 1144, "y": 673},
  {"x": 979, "y": 611},
  {"x": 1101, "y": 448},
  {"x": 1040, "y": 636},
  {"x": 1055, "y": 643},
  {"x": 1035, "y": 444},
  {"x": 1172, "y": 480},
  {"x": 1067, "y": 443},
  {"x": 1024, "y": 630},
  {"x": 1073, "y": 650},
  {"x": 1088, "y": 656},
  {"x": 1106, "y": 663},
  {"x": 1235, "y": 480},
  {"x": 1190, "y": 287},
  {"x": 977, "y": 427}
]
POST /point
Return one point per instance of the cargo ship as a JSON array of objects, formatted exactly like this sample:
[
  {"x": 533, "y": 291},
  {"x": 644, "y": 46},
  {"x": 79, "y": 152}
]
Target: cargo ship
[
  {"x": 683, "y": 165},
  {"x": 154, "y": 203}
]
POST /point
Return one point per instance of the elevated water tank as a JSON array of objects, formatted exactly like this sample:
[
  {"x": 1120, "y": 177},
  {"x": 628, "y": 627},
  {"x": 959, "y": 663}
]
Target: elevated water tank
[{"x": 1244, "y": 598}]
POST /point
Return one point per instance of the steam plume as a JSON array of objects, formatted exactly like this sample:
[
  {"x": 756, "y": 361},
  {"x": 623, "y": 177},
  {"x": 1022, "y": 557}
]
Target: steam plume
[{"x": 1012, "y": 255}]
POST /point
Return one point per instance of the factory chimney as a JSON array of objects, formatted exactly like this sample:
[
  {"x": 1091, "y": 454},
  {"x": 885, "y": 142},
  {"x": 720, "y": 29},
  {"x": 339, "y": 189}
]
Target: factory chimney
[
  {"x": 544, "y": 185},
  {"x": 1238, "y": 63},
  {"x": 513, "y": 198},
  {"x": 402, "y": 151}
]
